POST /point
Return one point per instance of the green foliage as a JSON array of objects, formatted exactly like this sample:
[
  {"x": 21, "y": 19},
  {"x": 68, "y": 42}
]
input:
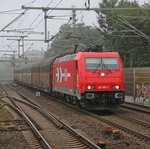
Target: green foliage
[
  {"x": 126, "y": 31},
  {"x": 80, "y": 35}
]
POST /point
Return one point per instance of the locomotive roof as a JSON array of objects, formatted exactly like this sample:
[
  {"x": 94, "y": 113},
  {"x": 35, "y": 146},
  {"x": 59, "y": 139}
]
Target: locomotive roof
[
  {"x": 98, "y": 53},
  {"x": 79, "y": 54}
]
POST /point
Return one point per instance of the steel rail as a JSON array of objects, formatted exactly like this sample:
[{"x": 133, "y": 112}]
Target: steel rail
[
  {"x": 132, "y": 132},
  {"x": 60, "y": 123},
  {"x": 56, "y": 120},
  {"x": 34, "y": 129},
  {"x": 143, "y": 123},
  {"x": 136, "y": 107}
]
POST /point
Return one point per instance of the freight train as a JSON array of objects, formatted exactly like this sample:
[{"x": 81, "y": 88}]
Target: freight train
[{"x": 92, "y": 80}]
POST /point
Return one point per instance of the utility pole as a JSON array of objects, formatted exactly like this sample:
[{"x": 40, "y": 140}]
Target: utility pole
[
  {"x": 74, "y": 16},
  {"x": 20, "y": 44},
  {"x": 45, "y": 18},
  {"x": 48, "y": 44},
  {"x": 74, "y": 26}
]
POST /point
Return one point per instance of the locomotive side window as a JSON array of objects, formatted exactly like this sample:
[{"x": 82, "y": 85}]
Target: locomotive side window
[{"x": 101, "y": 63}]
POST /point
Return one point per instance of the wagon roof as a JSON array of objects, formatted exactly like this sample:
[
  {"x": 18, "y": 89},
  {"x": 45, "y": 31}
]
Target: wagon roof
[{"x": 46, "y": 61}]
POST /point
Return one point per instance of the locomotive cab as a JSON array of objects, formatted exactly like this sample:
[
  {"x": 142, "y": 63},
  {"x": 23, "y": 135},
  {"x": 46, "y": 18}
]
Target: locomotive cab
[{"x": 102, "y": 81}]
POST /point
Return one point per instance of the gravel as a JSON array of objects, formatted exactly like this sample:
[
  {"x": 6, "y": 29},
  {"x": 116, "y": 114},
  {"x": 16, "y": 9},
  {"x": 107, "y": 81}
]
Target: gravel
[
  {"x": 88, "y": 125},
  {"x": 12, "y": 140}
]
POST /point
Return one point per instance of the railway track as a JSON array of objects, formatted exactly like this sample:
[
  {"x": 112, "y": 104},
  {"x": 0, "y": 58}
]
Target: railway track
[
  {"x": 136, "y": 107},
  {"x": 134, "y": 127},
  {"x": 123, "y": 123},
  {"x": 52, "y": 132},
  {"x": 134, "y": 120}
]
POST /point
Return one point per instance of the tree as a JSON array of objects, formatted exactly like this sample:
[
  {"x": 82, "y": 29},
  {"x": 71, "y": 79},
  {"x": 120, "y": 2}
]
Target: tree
[
  {"x": 126, "y": 31},
  {"x": 69, "y": 36}
]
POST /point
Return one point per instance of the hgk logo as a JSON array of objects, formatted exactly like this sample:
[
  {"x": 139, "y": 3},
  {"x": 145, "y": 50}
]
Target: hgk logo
[{"x": 61, "y": 74}]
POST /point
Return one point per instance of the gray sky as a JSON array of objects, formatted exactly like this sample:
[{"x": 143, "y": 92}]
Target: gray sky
[{"x": 27, "y": 21}]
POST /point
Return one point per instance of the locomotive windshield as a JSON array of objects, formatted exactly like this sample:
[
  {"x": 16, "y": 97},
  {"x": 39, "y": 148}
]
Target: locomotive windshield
[{"x": 101, "y": 63}]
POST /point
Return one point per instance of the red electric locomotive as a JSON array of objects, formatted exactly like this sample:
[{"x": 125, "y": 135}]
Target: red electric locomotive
[{"x": 94, "y": 80}]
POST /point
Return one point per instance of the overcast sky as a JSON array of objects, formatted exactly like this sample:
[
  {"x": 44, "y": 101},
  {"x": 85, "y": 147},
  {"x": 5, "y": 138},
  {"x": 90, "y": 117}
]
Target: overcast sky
[{"x": 28, "y": 20}]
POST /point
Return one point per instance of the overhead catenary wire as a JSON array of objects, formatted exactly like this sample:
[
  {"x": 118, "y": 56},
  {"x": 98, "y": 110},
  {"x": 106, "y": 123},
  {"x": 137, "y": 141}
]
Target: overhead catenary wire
[
  {"x": 39, "y": 15},
  {"x": 22, "y": 19},
  {"x": 127, "y": 30},
  {"x": 30, "y": 2},
  {"x": 17, "y": 18},
  {"x": 59, "y": 32},
  {"x": 6, "y": 13},
  {"x": 13, "y": 20},
  {"x": 48, "y": 13},
  {"x": 56, "y": 6},
  {"x": 136, "y": 31},
  {"x": 42, "y": 19},
  {"x": 7, "y": 45},
  {"x": 10, "y": 11}
]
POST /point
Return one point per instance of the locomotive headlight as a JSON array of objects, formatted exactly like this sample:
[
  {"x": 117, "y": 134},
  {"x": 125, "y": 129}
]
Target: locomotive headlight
[
  {"x": 116, "y": 87},
  {"x": 90, "y": 87},
  {"x": 102, "y": 74}
]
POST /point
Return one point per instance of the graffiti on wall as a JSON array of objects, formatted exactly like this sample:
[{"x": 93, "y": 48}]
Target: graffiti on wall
[{"x": 142, "y": 94}]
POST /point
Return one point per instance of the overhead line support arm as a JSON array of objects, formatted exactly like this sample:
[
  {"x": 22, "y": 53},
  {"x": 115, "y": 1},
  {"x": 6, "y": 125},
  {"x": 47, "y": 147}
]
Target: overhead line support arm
[
  {"x": 79, "y": 9},
  {"x": 52, "y": 8}
]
